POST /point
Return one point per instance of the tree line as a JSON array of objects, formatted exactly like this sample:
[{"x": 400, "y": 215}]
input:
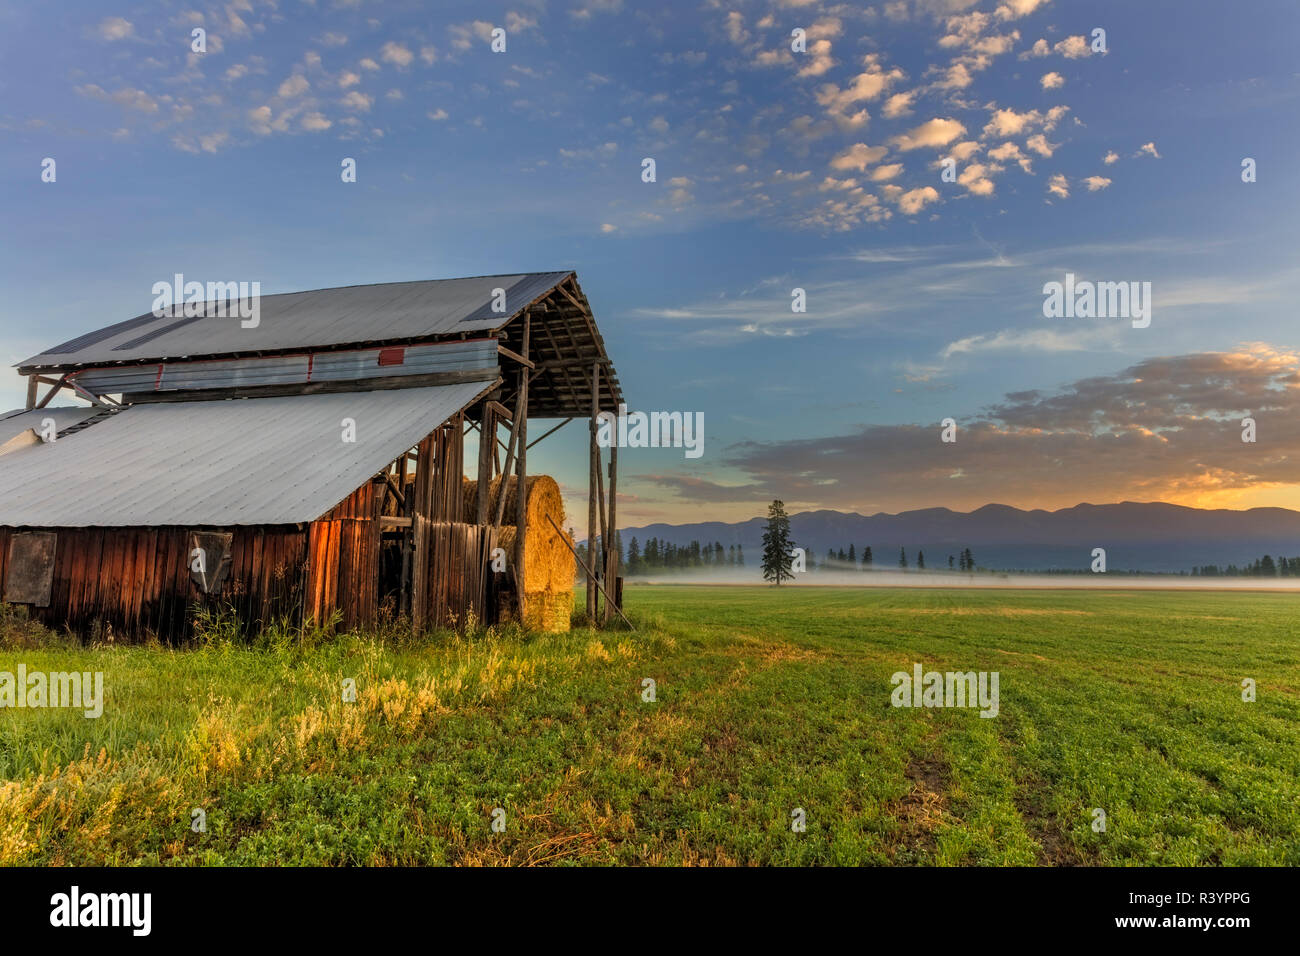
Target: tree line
[
  {"x": 1264, "y": 567},
  {"x": 657, "y": 555}
]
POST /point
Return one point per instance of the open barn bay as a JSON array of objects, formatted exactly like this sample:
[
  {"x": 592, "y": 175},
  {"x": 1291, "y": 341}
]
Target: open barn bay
[{"x": 766, "y": 702}]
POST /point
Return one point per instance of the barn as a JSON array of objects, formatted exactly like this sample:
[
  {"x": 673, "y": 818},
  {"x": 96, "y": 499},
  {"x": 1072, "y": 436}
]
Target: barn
[{"x": 306, "y": 464}]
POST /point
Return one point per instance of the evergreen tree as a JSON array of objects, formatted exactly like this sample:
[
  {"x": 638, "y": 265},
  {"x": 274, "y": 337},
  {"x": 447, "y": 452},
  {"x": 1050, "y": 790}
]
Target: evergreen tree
[
  {"x": 950, "y": 562},
  {"x": 902, "y": 558},
  {"x": 633, "y": 557},
  {"x": 740, "y": 556},
  {"x": 777, "y": 544},
  {"x": 920, "y": 560},
  {"x": 866, "y": 556},
  {"x": 853, "y": 558},
  {"x": 830, "y": 557}
]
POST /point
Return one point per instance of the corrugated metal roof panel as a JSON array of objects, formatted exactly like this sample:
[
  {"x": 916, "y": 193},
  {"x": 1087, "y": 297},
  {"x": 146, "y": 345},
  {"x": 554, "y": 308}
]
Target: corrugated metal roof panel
[
  {"x": 473, "y": 355},
  {"x": 18, "y": 421},
  {"x": 243, "y": 462},
  {"x": 318, "y": 318}
]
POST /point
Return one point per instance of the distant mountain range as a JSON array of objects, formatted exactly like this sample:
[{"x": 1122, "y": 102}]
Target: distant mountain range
[{"x": 1137, "y": 536}]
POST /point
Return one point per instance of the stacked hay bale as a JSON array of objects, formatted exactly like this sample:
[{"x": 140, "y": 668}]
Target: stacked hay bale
[{"x": 549, "y": 567}]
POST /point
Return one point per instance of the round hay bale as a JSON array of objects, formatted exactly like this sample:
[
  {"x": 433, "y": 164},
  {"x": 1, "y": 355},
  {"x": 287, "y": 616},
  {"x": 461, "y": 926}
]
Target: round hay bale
[
  {"x": 548, "y": 562},
  {"x": 548, "y": 610},
  {"x": 542, "y": 498}
]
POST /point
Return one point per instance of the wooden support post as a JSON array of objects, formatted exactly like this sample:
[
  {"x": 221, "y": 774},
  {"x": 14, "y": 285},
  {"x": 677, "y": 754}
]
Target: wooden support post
[
  {"x": 591, "y": 497},
  {"x": 590, "y": 576},
  {"x": 500, "y": 508},
  {"x": 54, "y": 389},
  {"x": 408, "y": 535},
  {"x": 487, "y": 437},
  {"x": 521, "y": 469},
  {"x": 612, "y": 552},
  {"x": 31, "y": 391}
]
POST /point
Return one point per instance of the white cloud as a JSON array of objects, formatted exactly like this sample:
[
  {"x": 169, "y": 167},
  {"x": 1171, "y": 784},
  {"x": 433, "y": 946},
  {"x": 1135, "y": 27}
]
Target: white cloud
[
  {"x": 1014, "y": 9},
  {"x": 1009, "y": 151},
  {"x": 315, "y": 122},
  {"x": 910, "y": 203},
  {"x": 1095, "y": 183},
  {"x": 396, "y": 54},
  {"x": 900, "y": 104},
  {"x": 858, "y": 156},
  {"x": 1052, "y": 81},
  {"x": 1148, "y": 149},
  {"x": 1059, "y": 186},
  {"x": 1039, "y": 144},
  {"x": 357, "y": 101},
  {"x": 293, "y": 86},
  {"x": 1110, "y": 158},
  {"x": 1039, "y": 49},
  {"x": 976, "y": 179},
  {"x": 866, "y": 86},
  {"x": 935, "y": 133},
  {"x": 1073, "y": 48},
  {"x": 115, "y": 28}
]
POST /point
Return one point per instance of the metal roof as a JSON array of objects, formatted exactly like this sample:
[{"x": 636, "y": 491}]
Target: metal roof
[
  {"x": 478, "y": 355},
  {"x": 392, "y": 311},
  {"x": 242, "y": 462},
  {"x": 16, "y": 422}
]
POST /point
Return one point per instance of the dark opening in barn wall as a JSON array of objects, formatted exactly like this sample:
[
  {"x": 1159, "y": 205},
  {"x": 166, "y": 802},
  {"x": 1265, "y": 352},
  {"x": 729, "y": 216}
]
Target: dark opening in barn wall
[
  {"x": 31, "y": 568},
  {"x": 209, "y": 559}
]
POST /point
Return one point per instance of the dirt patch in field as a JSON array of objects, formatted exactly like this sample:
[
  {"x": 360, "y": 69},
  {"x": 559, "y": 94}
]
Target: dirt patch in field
[
  {"x": 1054, "y": 846},
  {"x": 922, "y": 810}
]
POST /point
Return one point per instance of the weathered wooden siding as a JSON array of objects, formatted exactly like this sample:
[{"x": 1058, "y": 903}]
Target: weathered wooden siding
[
  {"x": 137, "y": 581},
  {"x": 343, "y": 559},
  {"x": 458, "y": 573}
]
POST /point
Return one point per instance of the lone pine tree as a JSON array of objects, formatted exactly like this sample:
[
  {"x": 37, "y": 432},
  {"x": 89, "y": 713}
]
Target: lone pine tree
[{"x": 776, "y": 544}]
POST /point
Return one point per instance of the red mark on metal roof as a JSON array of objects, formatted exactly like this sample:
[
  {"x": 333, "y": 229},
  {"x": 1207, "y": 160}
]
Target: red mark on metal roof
[{"x": 392, "y": 357}]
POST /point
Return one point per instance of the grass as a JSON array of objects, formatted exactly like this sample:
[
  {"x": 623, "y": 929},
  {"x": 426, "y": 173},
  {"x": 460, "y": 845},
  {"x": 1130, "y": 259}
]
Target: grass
[{"x": 767, "y": 700}]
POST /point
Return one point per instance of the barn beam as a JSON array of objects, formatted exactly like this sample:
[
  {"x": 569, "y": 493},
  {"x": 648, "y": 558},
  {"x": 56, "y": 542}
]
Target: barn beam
[
  {"x": 551, "y": 432},
  {"x": 591, "y": 495},
  {"x": 487, "y": 437},
  {"x": 515, "y": 356},
  {"x": 521, "y": 470},
  {"x": 612, "y": 551},
  {"x": 32, "y": 382},
  {"x": 54, "y": 390}
]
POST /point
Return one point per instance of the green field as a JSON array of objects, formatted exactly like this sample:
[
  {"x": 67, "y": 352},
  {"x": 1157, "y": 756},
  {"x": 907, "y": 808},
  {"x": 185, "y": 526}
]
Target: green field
[{"x": 768, "y": 700}]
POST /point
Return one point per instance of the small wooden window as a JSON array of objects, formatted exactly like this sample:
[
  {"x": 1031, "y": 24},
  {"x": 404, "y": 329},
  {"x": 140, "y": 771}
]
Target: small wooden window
[
  {"x": 31, "y": 568},
  {"x": 209, "y": 574}
]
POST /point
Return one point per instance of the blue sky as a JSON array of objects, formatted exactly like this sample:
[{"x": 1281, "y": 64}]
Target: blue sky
[{"x": 775, "y": 170}]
